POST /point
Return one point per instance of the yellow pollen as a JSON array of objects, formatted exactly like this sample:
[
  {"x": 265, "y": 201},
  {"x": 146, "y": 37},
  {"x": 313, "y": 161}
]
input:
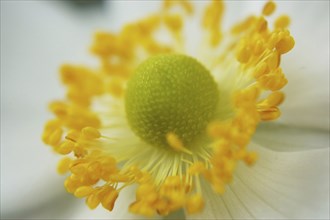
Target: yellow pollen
[
  {"x": 260, "y": 70},
  {"x": 195, "y": 204},
  {"x": 251, "y": 158},
  {"x": 243, "y": 54},
  {"x": 64, "y": 165},
  {"x": 269, "y": 113},
  {"x": 90, "y": 133},
  {"x": 269, "y": 8},
  {"x": 282, "y": 22},
  {"x": 93, "y": 201},
  {"x": 83, "y": 191},
  {"x": 174, "y": 142},
  {"x": 285, "y": 44},
  {"x": 66, "y": 147},
  {"x": 174, "y": 22},
  {"x": 72, "y": 135},
  {"x": 115, "y": 88},
  {"x": 274, "y": 99},
  {"x": 212, "y": 21},
  {"x": 197, "y": 168},
  {"x": 184, "y": 4},
  {"x": 55, "y": 137},
  {"x": 109, "y": 199},
  {"x": 154, "y": 117}
]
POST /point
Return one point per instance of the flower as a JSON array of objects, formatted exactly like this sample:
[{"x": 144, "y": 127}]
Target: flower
[{"x": 170, "y": 138}]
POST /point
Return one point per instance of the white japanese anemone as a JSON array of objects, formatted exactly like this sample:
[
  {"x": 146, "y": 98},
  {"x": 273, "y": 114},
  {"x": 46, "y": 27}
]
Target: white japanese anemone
[{"x": 186, "y": 127}]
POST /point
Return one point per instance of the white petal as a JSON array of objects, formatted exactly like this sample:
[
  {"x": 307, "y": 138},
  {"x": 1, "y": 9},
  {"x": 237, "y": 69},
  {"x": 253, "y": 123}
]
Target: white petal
[
  {"x": 307, "y": 65},
  {"x": 178, "y": 215},
  {"x": 215, "y": 208},
  {"x": 294, "y": 183},
  {"x": 281, "y": 137},
  {"x": 37, "y": 37},
  {"x": 281, "y": 185},
  {"x": 29, "y": 181}
]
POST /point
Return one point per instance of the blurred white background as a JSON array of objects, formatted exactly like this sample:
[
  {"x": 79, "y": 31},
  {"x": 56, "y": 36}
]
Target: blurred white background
[{"x": 36, "y": 38}]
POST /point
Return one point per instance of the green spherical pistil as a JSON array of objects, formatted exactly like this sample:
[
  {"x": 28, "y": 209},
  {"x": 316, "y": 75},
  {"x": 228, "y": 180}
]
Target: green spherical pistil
[{"x": 170, "y": 93}]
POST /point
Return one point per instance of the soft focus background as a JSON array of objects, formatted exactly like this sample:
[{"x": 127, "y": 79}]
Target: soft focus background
[{"x": 36, "y": 38}]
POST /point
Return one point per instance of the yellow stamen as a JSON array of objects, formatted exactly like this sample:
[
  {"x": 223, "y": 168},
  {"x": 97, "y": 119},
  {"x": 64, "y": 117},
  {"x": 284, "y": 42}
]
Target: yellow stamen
[
  {"x": 109, "y": 199},
  {"x": 260, "y": 70},
  {"x": 273, "y": 81},
  {"x": 269, "y": 113},
  {"x": 195, "y": 204},
  {"x": 274, "y": 99},
  {"x": 273, "y": 61},
  {"x": 285, "y": 44},
  {"x": 174, "y": 141},
  {"x": 73, "y": 135},
  {"x": 212, "y": 19},
  {"x": 174, "y": 22},
  {"x": 196, "y": 168},
  {"x": 83, "y": 191},
  {"x": 282, "y": 22},
  {"x": 55, "y": 137},
  {"x": 251, "y": 158},
  {"x": 93, "y": 201},
  {"x": 64, "y": 165},
  {"x": 243, "y": 54},
  {"x": 90, "y": 133},
  {"x": 164, "y": 123},
  {"x": 66, "y": 147},
  {"x": 185, "y": 4},
  {"x": 119, "y": 178},
  {"x": 269, "y": 8}
]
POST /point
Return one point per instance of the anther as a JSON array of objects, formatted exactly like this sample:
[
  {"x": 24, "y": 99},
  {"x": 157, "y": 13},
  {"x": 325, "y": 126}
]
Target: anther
[
  {"x": 174, "y": 142},
  {"x": 269, "y": 8}
]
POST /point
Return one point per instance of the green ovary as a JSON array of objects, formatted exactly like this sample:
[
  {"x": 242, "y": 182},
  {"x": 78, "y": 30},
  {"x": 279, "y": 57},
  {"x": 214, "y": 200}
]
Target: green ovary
[{"x": 170, "y": 93}]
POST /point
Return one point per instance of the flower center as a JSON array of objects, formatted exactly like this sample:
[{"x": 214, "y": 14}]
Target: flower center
[{"x": 170, "y": 94}]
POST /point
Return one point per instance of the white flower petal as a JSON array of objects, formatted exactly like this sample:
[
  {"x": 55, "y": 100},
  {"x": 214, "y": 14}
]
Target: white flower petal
[
  {"x": 281, "y": 185},
  {"x": 36, "y": 37},
  {"x": 15, "y": 164},
  {"x": 28, "y": 169},
  {"x": 178, "y": 215},
  {"x": 307, "y": 65},
  {"x": 215, "y": 208},
  {"x": 58, "y": 206},
  {"x": 281, "y": 137},
  {"x": 294, "y": 183}
]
